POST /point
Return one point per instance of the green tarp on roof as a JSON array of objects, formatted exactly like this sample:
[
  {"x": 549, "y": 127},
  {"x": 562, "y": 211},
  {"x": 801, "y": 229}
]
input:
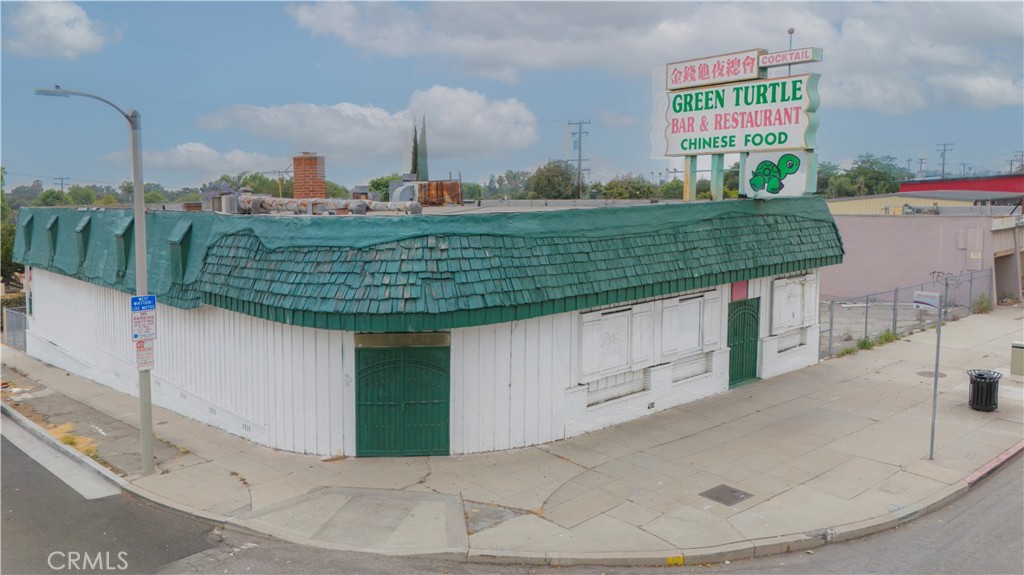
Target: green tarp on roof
[{"x": 430, "y": 272}]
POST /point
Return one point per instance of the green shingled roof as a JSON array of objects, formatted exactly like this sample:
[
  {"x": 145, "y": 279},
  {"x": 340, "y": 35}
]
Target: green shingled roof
[{"x": 423, "y": 273}]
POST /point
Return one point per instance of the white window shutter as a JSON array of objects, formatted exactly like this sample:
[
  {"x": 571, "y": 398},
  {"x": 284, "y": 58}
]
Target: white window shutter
[
  {"x": 642, "y": 335},
  {"x": 712, "y": 320}
]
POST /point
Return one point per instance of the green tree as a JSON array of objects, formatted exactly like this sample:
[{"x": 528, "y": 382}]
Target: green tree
[
  {"x": 7, "y": 266},
  {"x": 511, "y": 184},
  {"x": 703, "y": 189},
  {"x": 381, "y": 184},
  {"x": 111, "y": 200},
  {"x": 155, "y": 198},
  {"x": 472, "y": 191},
  {"x": 840, "y": 186},
  {"x": 81, "y": 196},
  {"x": 731, "y": 179},
  {"x": 826, "y": 171},
  {"x": 671, "y": 190},
  {"x": 415, "y": 160},
  {"x": 552, "y": 181},
  {"x": 628, "y": 187},
  {"x": 189, "y": 197},
  {"x": 51, "y": 198},
  {"x": 126, "y": 189},
  {"x": 876, "y": 174},
  {"x": 336, "y": 190}
]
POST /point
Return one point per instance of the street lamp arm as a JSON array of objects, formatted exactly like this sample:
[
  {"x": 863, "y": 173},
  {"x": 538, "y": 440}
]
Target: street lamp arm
[{"x": 132, "y": 116}]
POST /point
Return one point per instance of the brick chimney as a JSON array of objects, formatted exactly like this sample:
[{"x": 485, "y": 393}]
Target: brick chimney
[{"x": 308, "y": 179}]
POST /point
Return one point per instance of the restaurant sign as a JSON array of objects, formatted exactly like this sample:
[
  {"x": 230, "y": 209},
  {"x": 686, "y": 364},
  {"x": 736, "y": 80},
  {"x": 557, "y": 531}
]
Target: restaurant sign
[
  {"x": 721, "y": 69},
  {"x": 763, "y": 115},
  {"x": 790, "y": 57}
]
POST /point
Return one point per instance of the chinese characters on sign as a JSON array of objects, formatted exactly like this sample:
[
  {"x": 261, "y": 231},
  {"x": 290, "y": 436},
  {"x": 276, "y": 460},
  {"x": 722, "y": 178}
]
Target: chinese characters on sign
[{"x": 714, "y": 70}]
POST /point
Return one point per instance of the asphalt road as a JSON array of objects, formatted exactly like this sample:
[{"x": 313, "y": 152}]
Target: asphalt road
[{"x": 48, "y": 527}]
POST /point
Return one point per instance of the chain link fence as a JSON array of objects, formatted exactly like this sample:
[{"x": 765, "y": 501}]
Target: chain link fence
[
  {"x": 857, "y": 322},
  {"x": 14, "y": 325}
]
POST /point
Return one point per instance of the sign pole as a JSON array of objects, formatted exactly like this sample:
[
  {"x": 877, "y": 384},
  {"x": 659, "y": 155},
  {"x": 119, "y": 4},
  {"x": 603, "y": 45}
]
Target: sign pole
[
  {"x": 935, "y": 384},
  {"x": 717, "y": 176}
]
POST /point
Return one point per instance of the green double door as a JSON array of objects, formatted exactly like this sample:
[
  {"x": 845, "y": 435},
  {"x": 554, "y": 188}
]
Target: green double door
[
  {"x": 743, "y": 335},
  {"x": 402, "y": 398}
]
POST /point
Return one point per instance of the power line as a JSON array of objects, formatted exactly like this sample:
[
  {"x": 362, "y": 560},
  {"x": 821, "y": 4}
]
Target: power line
[
  {"x": 578, "y": 142},
  {"x": 1020, "y": 161},
  {"x": 60, "y": 180},
  {"x": 946, "y": 146}
]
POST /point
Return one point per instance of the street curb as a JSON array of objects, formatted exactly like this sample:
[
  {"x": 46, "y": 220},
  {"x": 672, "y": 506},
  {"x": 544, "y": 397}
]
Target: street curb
[
  {"x": 82, "y": 459},
  {"x": 1000, "y": 460}
]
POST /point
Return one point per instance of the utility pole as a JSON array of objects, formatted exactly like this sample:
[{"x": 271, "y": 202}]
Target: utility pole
[
  {"x": 1020, "y": 161},
  {"x": 920, "y": 167},
  {"x": 61, "y": 182},
  {"x": 578, "y": 144},
  {"x": 946, "y": 146},
  {"x": 908, "y": 164},
  {"x": 964, "y": 166}
]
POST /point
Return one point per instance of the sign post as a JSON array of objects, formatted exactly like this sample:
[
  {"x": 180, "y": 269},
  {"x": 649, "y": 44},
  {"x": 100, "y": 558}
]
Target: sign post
[
  {"x": 932, "y": 300},
  {"x": 144, "y": 334}
]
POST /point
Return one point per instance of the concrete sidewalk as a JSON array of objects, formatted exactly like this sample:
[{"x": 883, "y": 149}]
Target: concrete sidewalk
[{"x": 827, "y": 453}]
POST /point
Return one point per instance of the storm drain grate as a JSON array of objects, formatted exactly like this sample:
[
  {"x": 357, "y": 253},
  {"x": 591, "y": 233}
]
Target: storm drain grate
[{"x": 726, "y": 495}]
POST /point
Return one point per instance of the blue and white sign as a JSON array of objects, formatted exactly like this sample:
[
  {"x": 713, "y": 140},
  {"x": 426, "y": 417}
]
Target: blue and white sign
[
  {"x": 143, "y": 303},
  {"x": 143, "y": 317}
]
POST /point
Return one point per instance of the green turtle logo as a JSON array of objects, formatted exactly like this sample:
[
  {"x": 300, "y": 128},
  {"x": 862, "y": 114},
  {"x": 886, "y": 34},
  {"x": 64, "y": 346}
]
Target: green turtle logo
[{"x": 768, "y": 176}]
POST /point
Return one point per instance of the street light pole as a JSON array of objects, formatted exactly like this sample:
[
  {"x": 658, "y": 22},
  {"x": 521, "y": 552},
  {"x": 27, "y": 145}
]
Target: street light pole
[{"x": 141, "y": 287}]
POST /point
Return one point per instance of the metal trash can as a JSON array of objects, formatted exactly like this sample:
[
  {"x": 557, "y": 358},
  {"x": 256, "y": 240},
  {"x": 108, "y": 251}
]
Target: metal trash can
[{"x": 984, "y": 395}]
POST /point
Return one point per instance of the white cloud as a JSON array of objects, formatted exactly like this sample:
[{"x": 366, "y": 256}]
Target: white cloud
[
  {"x": 53, "y": 29},
  {"x": 882, "y": 56},
  {"x": 618, "y": 120},
  {"x": 984, "y": 91},
  {"x": 460, "y": 123},
  {"x": 200, "y": 161}
]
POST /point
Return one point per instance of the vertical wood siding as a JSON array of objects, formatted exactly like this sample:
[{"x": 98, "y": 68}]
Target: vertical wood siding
[
  {"x": 508, "y": 383},
  {"x": 279, "y": 385}
]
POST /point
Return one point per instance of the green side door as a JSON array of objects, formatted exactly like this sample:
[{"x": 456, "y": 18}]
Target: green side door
[
  {"x": 402, "y": 398},
  {"x": 743, "y": 331}
]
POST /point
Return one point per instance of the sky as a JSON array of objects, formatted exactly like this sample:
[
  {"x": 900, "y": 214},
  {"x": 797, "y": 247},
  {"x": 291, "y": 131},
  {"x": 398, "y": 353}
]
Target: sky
[{"x": 226, "y": 87}]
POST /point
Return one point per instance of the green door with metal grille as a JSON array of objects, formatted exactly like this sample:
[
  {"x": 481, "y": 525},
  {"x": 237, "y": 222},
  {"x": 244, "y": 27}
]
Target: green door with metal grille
[
  {"x": 402, "y": 397},
  {"x": 743, "y": 328}
]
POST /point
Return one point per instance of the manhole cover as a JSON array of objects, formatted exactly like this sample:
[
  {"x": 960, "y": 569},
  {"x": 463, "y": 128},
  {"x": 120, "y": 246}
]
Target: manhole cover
[
  {"x": 930, "y": 374},
  {"x": 726, "y": 495}
]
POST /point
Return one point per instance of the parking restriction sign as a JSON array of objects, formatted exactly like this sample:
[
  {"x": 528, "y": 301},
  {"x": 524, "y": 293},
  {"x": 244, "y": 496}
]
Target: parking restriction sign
[{"x": 143, "y": 318}]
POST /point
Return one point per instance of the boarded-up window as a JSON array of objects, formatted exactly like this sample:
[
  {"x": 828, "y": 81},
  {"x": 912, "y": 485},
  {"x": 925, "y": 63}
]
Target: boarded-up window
[
  {"x": 616, "y": 341},
  {"x": 605, "y": 343},
  {"x": 681, "y": 326},
  {"x": 793, "y": 303}
]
